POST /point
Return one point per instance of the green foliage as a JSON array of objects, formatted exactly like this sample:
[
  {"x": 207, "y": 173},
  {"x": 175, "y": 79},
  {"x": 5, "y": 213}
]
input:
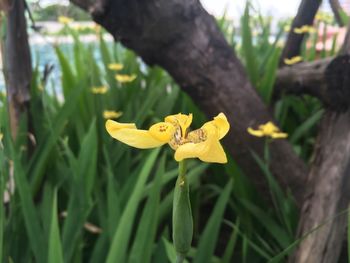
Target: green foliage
[{"x": 52, "y": 12}]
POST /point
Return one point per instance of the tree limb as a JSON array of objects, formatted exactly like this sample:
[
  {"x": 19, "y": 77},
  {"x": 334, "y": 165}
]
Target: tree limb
[
  {"x": 183, "y": 38},
  {"x": 305, "y": 16},
  {"x": 336, "y": 9},
  {"x": 328, "y": 190},
  {"x": 327, "y": 79}
]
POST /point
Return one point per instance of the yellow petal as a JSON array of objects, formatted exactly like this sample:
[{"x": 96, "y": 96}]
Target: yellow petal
[
  {"x": 269, "y": 128},
  {"x": 183, "y": 120},
  {"x": 99, "y": 89},
  {"x": 110, "y": 114},
  {"x": 208, "y": 151},
  {"x": 64, "y": 20},
  {"x": 113, "y": 126},
  {"x": 128, "y": 134},
  {"x": 123, "y": 78},
  {"x": 256, "y": 133},
  {"x": 279, "y": 135},
  {"x": 115, "y": 66},
  {"x": 220, "y": 123},
  {"x": 162, "y": 131},
  {"x": 293, "y": 60}
]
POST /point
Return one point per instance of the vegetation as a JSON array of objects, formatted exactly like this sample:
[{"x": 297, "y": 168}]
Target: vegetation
[
  {"x": 80, "y": 196},
  {"x": 52, "y": 12}
]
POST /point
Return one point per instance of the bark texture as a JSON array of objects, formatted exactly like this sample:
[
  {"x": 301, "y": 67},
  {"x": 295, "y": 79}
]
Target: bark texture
[
  {"x": 328, "y": 195},
  {"x": 328, "y": 188},
  {"x": 17, "y": 63},
  {"x": 327, "y": 79},
  {"x": 305, "y": 16},
  {"x": 183, "y": 38}
]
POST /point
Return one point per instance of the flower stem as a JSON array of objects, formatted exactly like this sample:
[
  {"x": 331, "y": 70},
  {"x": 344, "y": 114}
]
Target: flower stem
[
  {"x": 182, "y": 215},
  {"x": 179, "y": 258}
]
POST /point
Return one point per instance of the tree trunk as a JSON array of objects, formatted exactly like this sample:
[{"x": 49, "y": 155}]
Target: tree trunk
[
  {"x": 183, "y": 38},
  {"x": 17, "y": 63},
  {"x": 329, "y": 194},
  {"x": 329, "y": 188}
]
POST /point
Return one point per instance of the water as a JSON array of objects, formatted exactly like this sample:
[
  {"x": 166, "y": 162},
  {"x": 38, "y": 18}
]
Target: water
[{"x": 43, "y": 53}]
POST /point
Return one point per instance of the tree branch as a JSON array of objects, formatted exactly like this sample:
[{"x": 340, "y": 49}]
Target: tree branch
[
  {"x": 329, "y": 189},
  {"x": 183, "y": 38},
  {"x": 336, "y": 9},
  {"x": 327, "y": 79},
  {"x": 305, "y": 16}
]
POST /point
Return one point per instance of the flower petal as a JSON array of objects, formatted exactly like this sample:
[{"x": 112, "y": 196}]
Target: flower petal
[
  {"x": 128, "y": 133},
  {"x": 180, "y": 119},
  {"x": 208, "y": 151},
  {"x": 279, "y": 135},
  {"x": 162, "y": 131},
  {"x": 220, "y": 124},
  {"x": 256, "y": 133}
]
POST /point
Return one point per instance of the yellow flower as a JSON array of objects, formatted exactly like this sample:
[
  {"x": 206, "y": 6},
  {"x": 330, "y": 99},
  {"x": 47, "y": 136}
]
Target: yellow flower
[
  {"x": 110, "y": 114},
  {"x": 293, "y": 60},
  {"x": 65, "y": 20},
  {"x": 99, "y": 90},
  {"x": 115, "y": 66},
  {"x": 97, "y": 28},
  {"x": 268, "y": 130},
  {"x": 1, "y": 136},
  {"x": 123, "y": 78},
  {"x": 203, "y": 143},
  {"x": 324, "y": 17},
  {"x": 304, "y": 29},
  {"x": 286, "y": 28}
]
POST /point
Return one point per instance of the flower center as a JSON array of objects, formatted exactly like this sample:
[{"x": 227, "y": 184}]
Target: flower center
[{"x": 179, "y": 139}]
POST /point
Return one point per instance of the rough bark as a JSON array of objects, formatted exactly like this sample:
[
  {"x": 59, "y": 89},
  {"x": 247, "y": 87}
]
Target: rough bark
[
  {"x": 305, "y": 16},
  {"x": 328, "y": 190},
  {"x": 183, "y": 38},
  {"x": 328, "y": 194},
  {"x": 327, "y": 79},
  {"x": 17, "y": 63},
  {"x": 346, "y": 46}
]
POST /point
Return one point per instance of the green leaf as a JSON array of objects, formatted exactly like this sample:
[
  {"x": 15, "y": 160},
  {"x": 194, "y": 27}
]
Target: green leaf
[
  {"x": 118, "y": 249},
  {"x": 209, "y": 237},
  {"x": 306, "y": 126},
  {"x": 31, "y": 219},
  {"x": 39, "y": 161},
  {"x": 247, "y": 47},
  {"x": 55, "y": 249},
  {"x": 146, "y": 231}
]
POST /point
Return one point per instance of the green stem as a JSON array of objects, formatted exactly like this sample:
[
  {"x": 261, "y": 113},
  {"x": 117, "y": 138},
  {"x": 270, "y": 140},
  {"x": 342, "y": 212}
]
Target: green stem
[
  {"x": 179, "y": 258},
  {"x": 266, "y": 151},
  {"x": 182, "y": 215}
]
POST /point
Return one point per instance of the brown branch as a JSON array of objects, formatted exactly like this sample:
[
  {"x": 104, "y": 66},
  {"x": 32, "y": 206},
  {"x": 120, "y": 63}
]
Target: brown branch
[
  {"x": 329, "y": 189},
  {"x": 345, "y": 49},
  {"x": 327, "y": 79},
  {"x": 305, "y": 16},
  {"x": 17, "y": 64},
  {"x": 183, "y": 38},
  {"x": 336, "y": 9}
]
